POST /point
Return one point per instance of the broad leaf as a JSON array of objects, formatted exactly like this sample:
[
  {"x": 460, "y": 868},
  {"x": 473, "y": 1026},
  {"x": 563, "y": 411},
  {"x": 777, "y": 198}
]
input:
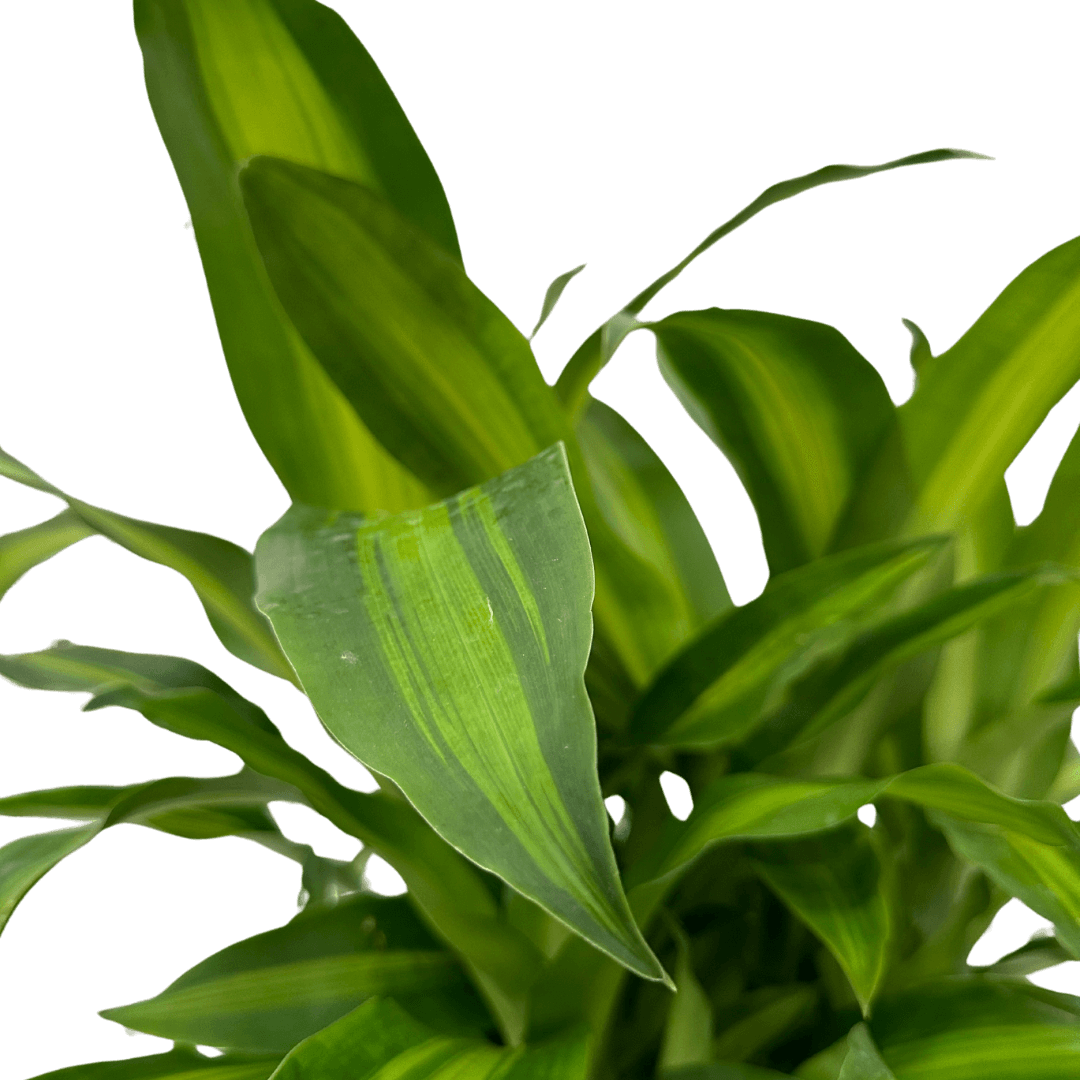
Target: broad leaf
[
  {"x": 835, "y": 884},
  {"x": 284, "y": 77},
  {"x": 978, "y": 403},
  {"x": 187, "y": 699},
  {"x": 178, "y": 1064},
  {"x": 595, "y": 352},
  {"x": 267, "y": 993},
  {"x": 21, "y": 551},
  {"x": 447, "y": 652},
  {"x": 798, "y": 412},
  {"x": 218, "y": 571},
  {"x": 441, "y": 377},
  {"x": 715, "y": 690}
]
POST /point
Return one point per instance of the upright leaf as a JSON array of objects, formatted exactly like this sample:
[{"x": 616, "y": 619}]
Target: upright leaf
[
  {"x": 284, "y": 77},
  {"x": 798, "y": 412},
  {"x": 178, "y": 1064},
  {"x": 448, "y": 653},
  {"x": 688, "y": 1031},
  {"x": 218, "y": 571}
]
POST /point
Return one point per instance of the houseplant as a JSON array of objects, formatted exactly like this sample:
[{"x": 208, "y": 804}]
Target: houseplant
[{"x": 911, "y": 641}]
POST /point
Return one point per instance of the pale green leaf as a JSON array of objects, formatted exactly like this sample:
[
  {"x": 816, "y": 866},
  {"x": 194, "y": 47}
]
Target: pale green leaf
[
  {"x": 794, "y": 407},
  {"x": 446, "y": 648},
  {"x": 220, "y": 572},
  {"x": 284, "y": 77},
  {"x": 592, "y": 355},
  {"x": 863, "y": 1060},
  {"x": 21, "y": 551},
  {"x": 551, "y": 297}
]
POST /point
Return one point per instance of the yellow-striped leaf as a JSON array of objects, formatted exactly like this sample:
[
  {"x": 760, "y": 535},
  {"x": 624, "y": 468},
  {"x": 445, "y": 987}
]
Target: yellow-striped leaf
[{"x": 446, "y": 649}]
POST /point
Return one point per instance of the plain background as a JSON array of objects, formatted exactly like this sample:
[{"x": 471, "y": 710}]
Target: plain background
[{"x": 616, "y": 134}]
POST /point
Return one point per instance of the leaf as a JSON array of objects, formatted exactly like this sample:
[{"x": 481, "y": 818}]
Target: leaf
[
  {"x": 1035, "y": 955},
  {"x": 586, "y": 363},
  {"x": 776, "y": 1010},
  {"x": 863, "y": 1061},
  {"x": 978, "y": 403},
  {"x": 267, "y": 993},
  {"x": 714, "y": 691},
  {"x": 21, "y": 551},
  {"x": 178, "y": 1064},
  {"x": 835, "y": 885},
  {"x": 551, "y": 297},
  {"x": 723, "y": 1071},
  {"x": 447, "y": 651},
  {"x": 794, "y": 407},
  {"x": 441, "y": 377},
  {"x": 921, "y": 353},
  {"x": 25, "y": 861},
  {"x": 978, "y": 1027},
  {"x": 218, "y": 571},
  {"x": 284, "y": 77},
  {"x": 188, "y": 700},
  {"x": 688, "y": 1031},
  {"x": 380, "y": 1040}
]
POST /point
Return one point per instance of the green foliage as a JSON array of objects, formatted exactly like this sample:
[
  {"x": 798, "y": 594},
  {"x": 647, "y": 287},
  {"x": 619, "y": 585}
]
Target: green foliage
[{"x": 498, "y": 599}]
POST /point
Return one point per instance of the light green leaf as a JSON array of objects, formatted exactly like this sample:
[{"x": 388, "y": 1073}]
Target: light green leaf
[
  {"x": 267, "y": 993},
  {"x": 835, "y": 884},
  {"x": 21, "y": 551},
  {"x": 714, "y": 692},
  {"x": 978, "y": 403},
  {"x": 863, "y": 1061},
  {"x": 586, "y": 363},
  {"x": 794, "y": 407},
  {"x": 27, "y": 860},
  {"x": 448, "y": 653},
  {"x": 688, "y": 1031},
  {"x": 1037, "y": 954},
  {"x": 284, "y": 77},
  {"x": 178, "y": 1064},
  {"x": 187, "y": 699},
  {"x": 551, "y": 297},
  {"x": 218, "y": 571}
]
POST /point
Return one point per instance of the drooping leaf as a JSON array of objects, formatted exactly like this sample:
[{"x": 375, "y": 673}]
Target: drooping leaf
[
  {"x": 863, "y": 1060},
  {"x": 436, "y": 371},
  {"x": 978, "y": 403},
  {"x": 284, "y": 77},
  {"x": 715, "y": 690},
  {"x": 220, "y": 572},
  {"x": 586, "y": 363},
  {"x": 189, "y": 700},
  {"x": 21, "y": 551},
  {"x": 798, "y": 412},
  {"x": 178, "y": 1064},
  {"x": 551, "y": 297},
  {"x": 267, "y": 993},
  {"x": 836, "y": 885},
  {"x": 448, "y": 653}
]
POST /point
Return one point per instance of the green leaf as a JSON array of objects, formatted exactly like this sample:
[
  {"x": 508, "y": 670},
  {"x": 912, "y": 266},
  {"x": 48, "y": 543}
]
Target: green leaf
[
  {"x": 379, "y": 1040},
  {"x": 447, "y": 652},
  {"x": 794, "y": 407},
  {"x": 715, "y": 690},
  {"x": 27, "y": 860},
  {"x": 723, "y": 1071},
  {"x": 774, "y": 1011},
  {"x": 1037, "y": 954},
  {"x": 835, "y": 885},
  {"x": 23, "y": 550},
  {"x": 284, "y": 77},
  {"x": 688, "y": 1031},
  {"x": 551, "y": 297},
  {"x": 188, "y": 700},
  {"x": 178, "y": 1064},
  {"x": 267, "y": 993},
  {"x": 863, "y": 1060},
  {"x": 978, "y": 403},
  {"x": 920, "y": 347},
  {"x": 586, "y": 363},
  {"x": 441, "y": 377},
  {"x": 218, "y": 571}
]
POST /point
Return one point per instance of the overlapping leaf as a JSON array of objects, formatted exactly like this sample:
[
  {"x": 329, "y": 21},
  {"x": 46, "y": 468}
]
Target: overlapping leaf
[
  {"x": 266, "y": 994},
  {"x": 178, "y": 1064},
  {"x": 446, "y": 649},
  {"x": 21, "y": 551},
  {"x": 220, "y": 572}
]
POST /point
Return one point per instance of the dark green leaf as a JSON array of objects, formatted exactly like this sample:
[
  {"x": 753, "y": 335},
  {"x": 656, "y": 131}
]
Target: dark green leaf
[
  {"x": 719, "y": 1071},
  {"x": 551, "y": 297},
  {"x": 776, "y": 1010},
  {"x": 284, "y": 77},
  {"x": 178, "y": 1064},
  {"x": 794, "y": 407},
  {"x": 920, "y": 346},
  {"x": 688, "y": 1032},
  {"x": 21, "y": 551},
  {"x": 1035, "y": 955},
  {"x": 219, "y": 571},
  {"x": 446, "y": 649}
]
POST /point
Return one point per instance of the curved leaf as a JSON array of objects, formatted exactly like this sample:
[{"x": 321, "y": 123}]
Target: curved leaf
[
  {"x": 284, "y": 77},
  {"x": 794, "y": 407},
  {"x": 220, "y": 572},
  {"x": 21, "y": 551},
  {"x": 863, "y": 1060},
  {"x": 551, "y": 297},
  {"x": 178, "y": 1064},
  {"x": 586, "y": 363},
  {"x": 267, "y": 993},
  {"x": 448, "y": 653}
]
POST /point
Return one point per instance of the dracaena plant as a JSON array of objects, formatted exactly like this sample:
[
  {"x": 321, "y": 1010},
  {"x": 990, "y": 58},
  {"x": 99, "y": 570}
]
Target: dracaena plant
[{"x": 498, "y": 599}]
